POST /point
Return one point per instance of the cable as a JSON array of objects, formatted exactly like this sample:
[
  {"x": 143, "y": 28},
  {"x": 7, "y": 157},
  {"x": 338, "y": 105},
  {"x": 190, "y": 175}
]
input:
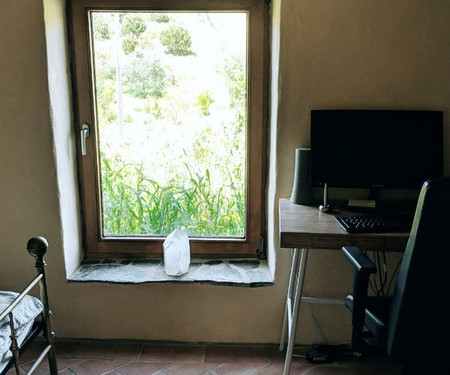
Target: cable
[
  {"x": 303, "y": 347},
  {"x": 372, "y": 286},
  {"x": 383, "y": 275},
  {"x": 377, "y": 257},
  {"x": 393, "y": 274},
  {"x": 375, "y": 288}
]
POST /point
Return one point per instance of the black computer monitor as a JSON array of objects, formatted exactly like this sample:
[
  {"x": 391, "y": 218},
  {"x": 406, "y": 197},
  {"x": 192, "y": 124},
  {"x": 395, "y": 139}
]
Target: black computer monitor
[{"x": 375, "y": 148}]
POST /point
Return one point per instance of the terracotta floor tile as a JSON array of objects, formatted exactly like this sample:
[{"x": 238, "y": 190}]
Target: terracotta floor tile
[
  {"x": 368, "y": 362},
  {"x": 65, "y": 349},
  {"x": 279, "y": 357},
  {"x": 237, "y": 354},
  {"x": 32, "y": 352},
  {"x": 189, "y": 368},
  {"x": 65, "y": 372},
  {"x": 336, "y": 370},
  {"x": 95, "y": 367},
  {"x": 112, "y": 358},
  {"x": 44, "y": 368},
  {"x": 12, "y": 371},
  {"x": 277, "y": 369},
  {"x": 114, "y": 350},
  {"x": 141, "y": 368},
  {"x": 172, "y": 354},
  {"x": 237, "y": 369}
]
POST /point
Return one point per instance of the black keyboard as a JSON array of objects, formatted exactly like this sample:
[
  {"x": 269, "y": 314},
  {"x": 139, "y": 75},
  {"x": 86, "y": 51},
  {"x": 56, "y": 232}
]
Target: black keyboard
[{"x": 385, "y": 223}]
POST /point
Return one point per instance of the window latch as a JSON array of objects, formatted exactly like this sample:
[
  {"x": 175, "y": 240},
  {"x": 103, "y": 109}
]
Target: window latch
[{"x": 84, "y": 135}]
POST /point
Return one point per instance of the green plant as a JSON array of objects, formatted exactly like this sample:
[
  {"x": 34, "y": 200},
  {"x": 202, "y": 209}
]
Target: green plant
[
  {"x": 177, "y": 41},
  {"x": 134, "y": 204},
  {"x": 143, "y": 78},
  {"x": 101, "y": 28},
  {"x": 159, "y": 17},
  {"x": 129, "y": 45},
  {"x": 204, "y": 100},
  {"x": 133, "y": 25}
]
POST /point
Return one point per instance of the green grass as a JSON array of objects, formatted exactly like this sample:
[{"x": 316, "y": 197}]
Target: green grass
[{"x": 135, "y": 205}]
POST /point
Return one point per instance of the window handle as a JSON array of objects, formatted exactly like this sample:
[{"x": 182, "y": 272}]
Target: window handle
[{"x": 84, "y": 135}]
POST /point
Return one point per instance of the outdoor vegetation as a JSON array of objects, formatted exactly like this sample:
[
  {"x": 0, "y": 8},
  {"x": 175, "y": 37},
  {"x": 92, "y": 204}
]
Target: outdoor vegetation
[{"x": 171, "y": 94}]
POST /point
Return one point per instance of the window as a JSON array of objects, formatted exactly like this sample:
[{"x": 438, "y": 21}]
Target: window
[{"x": 170, "y": 101}]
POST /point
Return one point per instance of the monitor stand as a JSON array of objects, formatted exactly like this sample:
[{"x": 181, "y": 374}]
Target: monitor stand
[
  {"x": 366, "y": 205},
  {"x": 325, "y": 207},
  {"x": 374, "y": 205},
  {"x": 374, "y": 193}
]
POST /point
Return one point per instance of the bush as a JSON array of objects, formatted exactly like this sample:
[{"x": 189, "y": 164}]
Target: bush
[
  {"x": 204, "y": 100},
  {"x": 133, "y": 25},
  {"x": 143, "y": 78},
  {"x": 160, "y": 17},
  {"x": 177, "y": 41}
]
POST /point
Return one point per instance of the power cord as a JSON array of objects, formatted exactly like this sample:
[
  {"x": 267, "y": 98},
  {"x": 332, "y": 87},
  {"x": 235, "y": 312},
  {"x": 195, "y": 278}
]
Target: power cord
[
  {"x": 397, "y": 267},
  {"x": 378, "y": 281}
]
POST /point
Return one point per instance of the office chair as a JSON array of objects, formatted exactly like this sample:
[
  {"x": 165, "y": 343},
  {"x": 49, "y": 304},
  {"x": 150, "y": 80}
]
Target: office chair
[{"x": 413, "y": 325}]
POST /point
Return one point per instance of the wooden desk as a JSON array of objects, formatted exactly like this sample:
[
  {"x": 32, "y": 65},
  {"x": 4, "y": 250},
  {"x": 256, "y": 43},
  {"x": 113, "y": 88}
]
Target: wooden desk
[{"x": 303, "y": 228}]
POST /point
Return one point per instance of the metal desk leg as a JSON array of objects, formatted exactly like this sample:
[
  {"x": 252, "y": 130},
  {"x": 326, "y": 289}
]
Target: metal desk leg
[
  {"x": 290, "y": 294},
  {"x": 294, "y": 294}
]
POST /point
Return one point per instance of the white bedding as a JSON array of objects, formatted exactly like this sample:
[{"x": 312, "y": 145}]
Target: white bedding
[{"x": 24, "y": 314}]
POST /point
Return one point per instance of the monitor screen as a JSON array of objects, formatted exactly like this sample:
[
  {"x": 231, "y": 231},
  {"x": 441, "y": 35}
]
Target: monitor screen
[{"x": 375, "y": 148}]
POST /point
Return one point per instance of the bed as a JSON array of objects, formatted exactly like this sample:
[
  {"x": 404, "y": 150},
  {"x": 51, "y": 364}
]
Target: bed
[{"x": 24, "y": 317}]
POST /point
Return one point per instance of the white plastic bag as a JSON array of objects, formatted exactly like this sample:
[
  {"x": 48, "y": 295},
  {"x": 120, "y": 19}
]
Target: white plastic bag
[{"x": 177, "y": 253}]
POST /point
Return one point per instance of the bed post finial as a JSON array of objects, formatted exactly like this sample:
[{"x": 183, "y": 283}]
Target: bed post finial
[{"x": 37, "y": 247}]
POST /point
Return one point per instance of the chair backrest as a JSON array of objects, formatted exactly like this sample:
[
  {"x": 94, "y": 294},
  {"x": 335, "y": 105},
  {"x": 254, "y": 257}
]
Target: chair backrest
[{"x": 420, "y": 316}]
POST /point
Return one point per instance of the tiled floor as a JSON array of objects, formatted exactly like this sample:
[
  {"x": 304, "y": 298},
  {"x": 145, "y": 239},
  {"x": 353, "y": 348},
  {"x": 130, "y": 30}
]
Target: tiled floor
[{"x": 128, "y": 358}]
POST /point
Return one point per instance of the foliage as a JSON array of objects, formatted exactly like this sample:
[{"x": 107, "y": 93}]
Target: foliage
[
  {"x": 128, "y": 118},
  {"x": 236, "y": 82},
  {"x": 101, "y": 29},
  {"x": 234, "y": 68},
  {"x": 204, "y": 100},
  {"x": 132, "y": 28},
  {"x": 106, "y": 91},
  {"x": 177, "y": 41},
  {"x": 144, "y": 78},
  {"x": 134, "y": 204},
  {"x": 166, "y": 165},
  {"x": 133, "y": 25},
  {"x": 129, "y": 45},
  {"x": 159, "y": 17}
]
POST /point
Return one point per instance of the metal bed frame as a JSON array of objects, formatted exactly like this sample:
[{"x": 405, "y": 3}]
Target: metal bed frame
[{"x": 37, "y": 247}]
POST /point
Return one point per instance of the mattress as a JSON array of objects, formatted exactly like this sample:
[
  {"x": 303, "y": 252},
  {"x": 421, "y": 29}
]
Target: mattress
[{"x": 24, "y": 315}]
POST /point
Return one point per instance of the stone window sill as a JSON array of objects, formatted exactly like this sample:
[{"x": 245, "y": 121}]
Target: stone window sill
[{"x": 233, "y": 272}]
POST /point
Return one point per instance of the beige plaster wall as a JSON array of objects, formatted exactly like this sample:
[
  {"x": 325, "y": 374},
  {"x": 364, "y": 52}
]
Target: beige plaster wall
[{"x": 347, "y": 53}]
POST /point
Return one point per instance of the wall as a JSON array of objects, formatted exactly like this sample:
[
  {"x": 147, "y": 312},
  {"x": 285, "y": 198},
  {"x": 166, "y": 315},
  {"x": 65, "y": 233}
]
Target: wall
[{"x": 339, "y": 54}]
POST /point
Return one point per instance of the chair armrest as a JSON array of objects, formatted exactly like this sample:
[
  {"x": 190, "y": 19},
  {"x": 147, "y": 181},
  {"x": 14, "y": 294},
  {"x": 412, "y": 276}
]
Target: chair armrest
[
  {"x": 362, "y": 268},
  {"x": 360, "y": 261}
]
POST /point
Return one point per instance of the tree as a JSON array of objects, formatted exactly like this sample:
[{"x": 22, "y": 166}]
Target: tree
[
  {"x": 101, "y": 29},
  {"x": 133, "y": 25},
  {"x": 177, "y": 41},
  {"x": 143, "y": 78},
  {"x": 129, "y": 45},
  {"x": 132, "y": 28}
]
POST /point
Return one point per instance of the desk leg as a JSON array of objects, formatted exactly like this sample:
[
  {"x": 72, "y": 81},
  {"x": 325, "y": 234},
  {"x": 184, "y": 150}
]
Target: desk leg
[
  {"x": 290, "y": 295},
  {"x": 291, "y": 311}
]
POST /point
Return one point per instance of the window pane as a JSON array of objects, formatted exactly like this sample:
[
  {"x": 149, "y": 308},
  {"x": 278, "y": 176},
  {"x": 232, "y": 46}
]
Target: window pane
[{"x": 171, "y": 105}]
